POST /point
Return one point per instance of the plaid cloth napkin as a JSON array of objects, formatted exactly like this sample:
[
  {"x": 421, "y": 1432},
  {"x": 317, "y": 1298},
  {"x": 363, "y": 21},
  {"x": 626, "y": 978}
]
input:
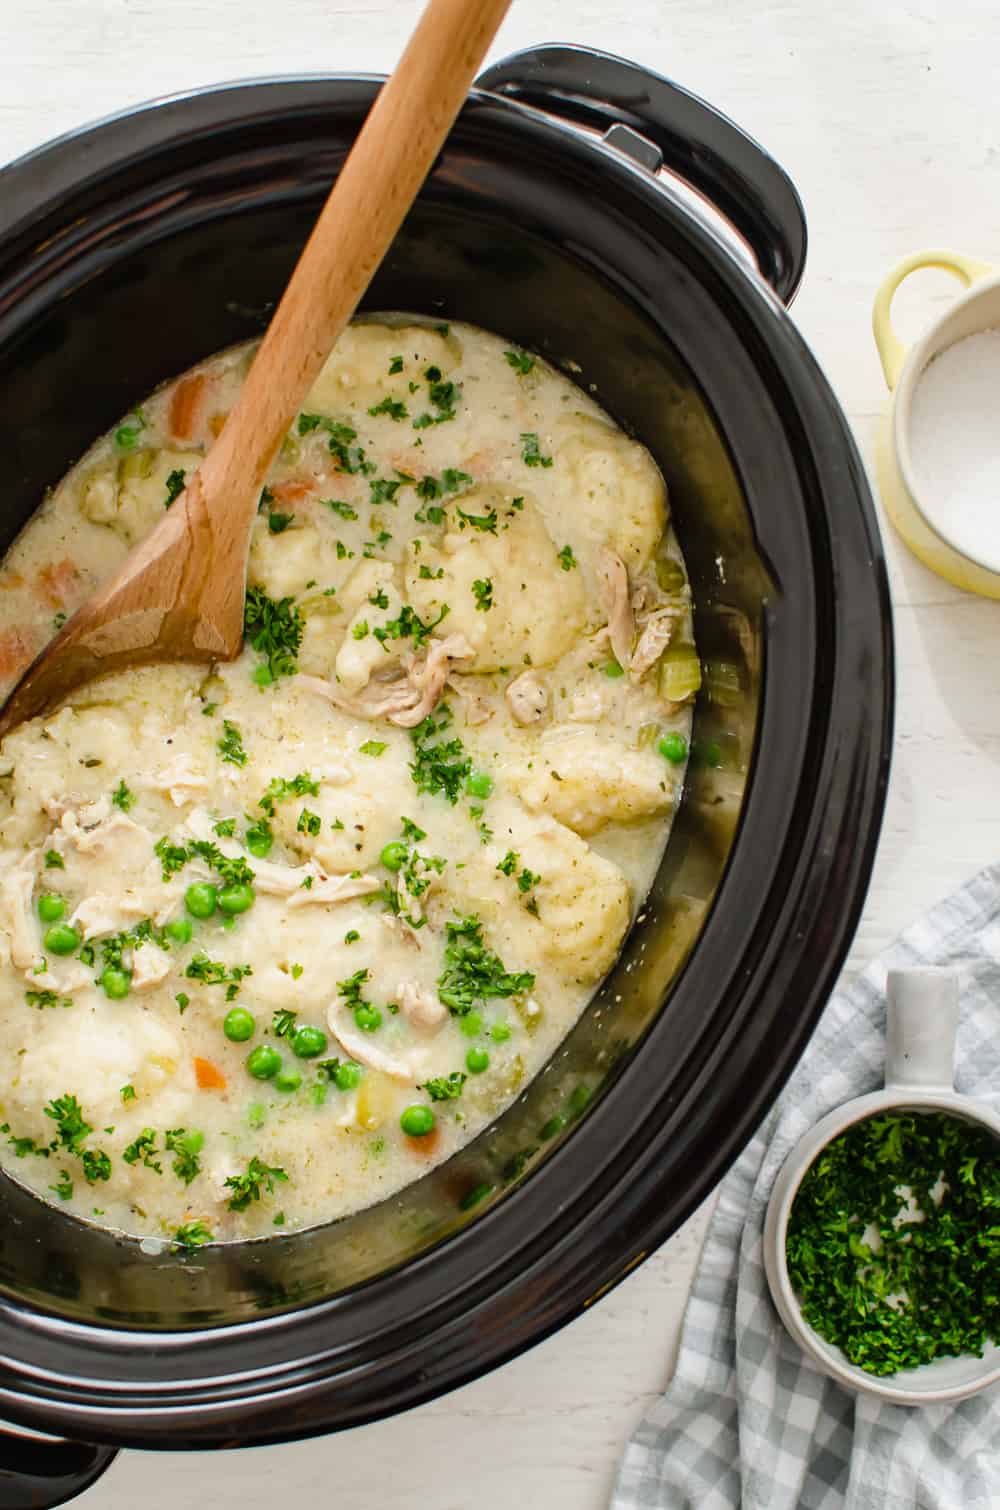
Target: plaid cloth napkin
[{"x": 747, "y": 1420}]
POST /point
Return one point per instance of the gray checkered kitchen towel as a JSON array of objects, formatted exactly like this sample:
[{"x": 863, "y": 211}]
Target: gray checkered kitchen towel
[{"x": 747, "y": 1420}]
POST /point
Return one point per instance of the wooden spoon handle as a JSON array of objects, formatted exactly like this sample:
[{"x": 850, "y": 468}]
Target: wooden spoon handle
[{"x": 388, "y": 163}]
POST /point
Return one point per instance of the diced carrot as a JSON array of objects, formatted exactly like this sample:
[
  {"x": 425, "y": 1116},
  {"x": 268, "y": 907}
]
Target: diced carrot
[
  {"x": 17, "y": 648},
  {"x": 56, "y": 583},
  {"x": 185, "y": 403},
  {"x": 208, "y": 1075}
]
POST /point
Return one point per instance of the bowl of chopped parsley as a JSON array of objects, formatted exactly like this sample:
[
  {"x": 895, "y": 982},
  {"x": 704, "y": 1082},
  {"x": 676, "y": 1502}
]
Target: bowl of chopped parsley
[{"x": 882, "y": 1236}]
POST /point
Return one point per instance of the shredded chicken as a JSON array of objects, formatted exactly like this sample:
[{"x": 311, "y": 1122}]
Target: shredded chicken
[
  {"x": 477, "y": 705},
  {"x": 181, "y": 780},
  {"x": 303, "y": 884},
  {"x": 527, "y": 698},
  {"x": 98, "y": 914},
  {"x": 653, "y": 640},
  {"x": 420, "y": 1007},
  {"x": 586, "y": 706},
  {"x": 612, "y": 581},
  {"x": 332, "y": 889},
  {"x": 403, "y": 1065},
  {"x": 406, "y": 699},
  {"x": 16, "y": 918},
  {"x": 104, "y": 835},
  {"x": 150, "y": 965}
]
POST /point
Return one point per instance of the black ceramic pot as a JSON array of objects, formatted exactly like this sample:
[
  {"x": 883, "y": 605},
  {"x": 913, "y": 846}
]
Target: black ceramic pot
[{"x": 135, "y": 247}]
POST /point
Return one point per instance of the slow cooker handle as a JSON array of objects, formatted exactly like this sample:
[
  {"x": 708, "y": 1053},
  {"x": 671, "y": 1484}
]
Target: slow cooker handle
[
  {"x": 39, "y": 1472},
  {"x": 702, "y": 146}
]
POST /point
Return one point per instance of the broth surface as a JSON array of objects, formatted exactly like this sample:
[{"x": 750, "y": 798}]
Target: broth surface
[{"x": 278, "y": 936}]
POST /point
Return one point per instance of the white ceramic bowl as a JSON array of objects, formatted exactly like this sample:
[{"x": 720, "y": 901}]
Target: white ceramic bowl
[{"x": 922, "y": 1022}]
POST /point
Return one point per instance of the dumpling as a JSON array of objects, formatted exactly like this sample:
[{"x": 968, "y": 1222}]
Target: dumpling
[
  {"x": 359, "y": 371},
  {"x": 586, "y": 781},
  {"x": 283, "y": 564},
  {"x": 133, "y": 502},
  {"x": 617, "y": 495},
  {"x": 500, "y": 583}
]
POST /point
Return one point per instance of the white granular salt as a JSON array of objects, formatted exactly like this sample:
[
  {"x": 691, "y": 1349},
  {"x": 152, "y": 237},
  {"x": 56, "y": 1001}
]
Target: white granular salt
[{"x": 955, "y": 444}]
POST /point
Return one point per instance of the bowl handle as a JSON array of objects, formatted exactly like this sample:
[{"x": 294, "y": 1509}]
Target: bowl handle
[
  {"x": 921, "y": 1025},
  {"x": 890, "y": 348},
  {"x": 702, "y": 146},
  {"x": 38, "y": 1472}
]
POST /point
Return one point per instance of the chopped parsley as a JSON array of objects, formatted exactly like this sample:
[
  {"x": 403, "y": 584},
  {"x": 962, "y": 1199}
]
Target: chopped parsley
[
  {"x": 230, "y": 746},
  {"x": 382, "y": 490},
  {"x": 122, "y": 796},
  {"x": 521, "y": 362},
  {"x": 47, "y": 999},
  {"x": 187, "y": 1146},
  {"x": 128, "y": 432},
  {"x": 213, "y": 972},
  {"x": 373, "y": 747},
  {"x": 67, "y": 1114},
  {"x": 309, "y": 823},
  {"x": 278, "y": 523},
  {"x": 530, "y": 452},
  {"x": 351, "y": 936},
  {"x": 143, "y": 1150},
  {"x": 247, "y": 1187},
  {"x": 445, "y": 1087},
  {"x": 23, "y": 1146},
  {"x": 192, "y": 1235},
  {"x": 395, "y": 365},
  {"x": 281, "y": 788},
  {"x": 482, "y": 591},
  {"x": 439, "y": 765},
  {"x": 274, "y": 629},
  {"x": 172, "y": 857},
  {"x": 393, "y": 407},
  {"x": 54, "y": 860},
  {"x": 64, "y": 1186},
  {"x": 225, "y": 828},
  {"x": 175, "y": 486},
  {"x": 567, "y": 560},
  {"x": 340, "y": 438},
  {"x": 485, "y": 522},
  {"x": 283, "y": 1025},
  {"x": 127, "y": 1094},
  {"x": 472, "y": 972},
  {"x": 408, "y": 625},
  {"x": 96, "y": 1166},
  {"x": 426, "y": 575}
]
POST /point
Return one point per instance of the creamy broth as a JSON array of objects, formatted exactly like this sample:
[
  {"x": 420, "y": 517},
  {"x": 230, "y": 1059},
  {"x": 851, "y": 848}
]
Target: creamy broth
[{"x": 278, "y": 936}]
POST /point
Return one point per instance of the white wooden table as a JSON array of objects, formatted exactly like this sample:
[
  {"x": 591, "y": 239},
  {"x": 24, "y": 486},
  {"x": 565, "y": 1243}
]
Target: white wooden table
[{"x": 885, "y": 117}]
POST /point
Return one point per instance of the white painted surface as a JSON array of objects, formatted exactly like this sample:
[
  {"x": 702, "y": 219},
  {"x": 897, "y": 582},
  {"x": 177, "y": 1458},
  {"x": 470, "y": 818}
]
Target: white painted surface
[{"x": 885, "y": 116}]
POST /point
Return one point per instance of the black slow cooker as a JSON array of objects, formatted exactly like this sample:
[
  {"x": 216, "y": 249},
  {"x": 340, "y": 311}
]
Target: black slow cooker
[{"x": 133, "y": 248}]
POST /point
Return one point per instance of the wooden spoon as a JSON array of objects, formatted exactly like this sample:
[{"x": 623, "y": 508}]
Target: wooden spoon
[{"x": 179, "y": 595}]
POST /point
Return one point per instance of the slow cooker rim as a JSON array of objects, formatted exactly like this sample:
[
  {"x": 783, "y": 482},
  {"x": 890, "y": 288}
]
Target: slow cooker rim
[{"x": 817, "y": 384}]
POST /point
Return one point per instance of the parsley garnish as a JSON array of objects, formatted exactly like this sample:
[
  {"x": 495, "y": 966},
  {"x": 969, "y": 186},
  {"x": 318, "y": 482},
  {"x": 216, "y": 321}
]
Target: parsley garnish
[
  {"x": 373, "y": 747},
  {"x": 350, "y": 458},
  {"x": 173, "y": 857},
  {"x": 278, "y": 523},
  {"x": 192, "y": 1235},
  {"x": 96, "y": 1166},
  {"x": 382, "y": 490},
  {"x": 482, "y": 591},
  {"x": 395, "y": 365},
  {"x": 530, "y": 453},
  {"x": 54, "y": 860},
  {"x": 409, "y": 624},
  {"x": 474, "y": 973},
  {"x": 187, "y": 1146},
  {"x": 247, "y": 1187},
  {"x": 426, "y": 575},
  {"x": 122, "y": 796},
  {"x": 64, "y": 1187},
  {"x": 283, "y": 1025},
  {"x": 274, "y": 629},
  {"x": 47, "y": 999},
  {"x": 485, "y": 522},
  {"x": 67, "y": 1114},
  {"x": 127, "y": 1094},
  {"x": 212, "y": 972},
  {"x": 441, "y": 766},
  {"x": 567, "y": 560},
  {"x": 225, "y": 828},
  {"x": 345, "y": 512},
  {"x": 927, "y": 1288},
  {"x": 309, "y": 823},
  {"x": 230, "y": 746},
  {"x": 445, "y": 1087},
  {"x": 521, "y": 362},
  {"x": 393, "y": 407},
  {"x": 143, "y": 1151},
  {"x": 280, "y": 788},
  {"x": 175, "y": 486}
]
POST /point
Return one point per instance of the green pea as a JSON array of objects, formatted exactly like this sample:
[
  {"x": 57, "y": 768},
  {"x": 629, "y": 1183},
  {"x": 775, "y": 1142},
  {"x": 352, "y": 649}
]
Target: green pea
[
  {"x": 476, "y": 1061},
  {"x": 368, "y": 1018},
  {"x": 288, "y": 1079},
  {"x": 116, "y": 983},
  {"x": 471, "y": 1024},
  {"x": 417, "y": 1121},
  {"x": 51, "y": 906},
  {"x": 180, "y": 930},
  {"x": 238, "y": 1025},
  {"x": 309, "y": 1043},
  {"x": 200, "y": 899},
  {"x": 263, "y": 1062},
  {"x": 613, "y": 670},
  {"x": 347, "y": 1076},
  {"x": 579, "y": 1099},
  {"x": 259, "y": 845},
  {"x": 475, "y": 1195},
  {"x": 236, "y": 898},
  {"x": 479, "y": 784},
  {"x": 393, "y": 856},
  {"x": 62, "y": 939},
  {"x": 673, "y": 747},
  {"x": 552, "y": 1126},
  {"x": 500, "y": 1032}
]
